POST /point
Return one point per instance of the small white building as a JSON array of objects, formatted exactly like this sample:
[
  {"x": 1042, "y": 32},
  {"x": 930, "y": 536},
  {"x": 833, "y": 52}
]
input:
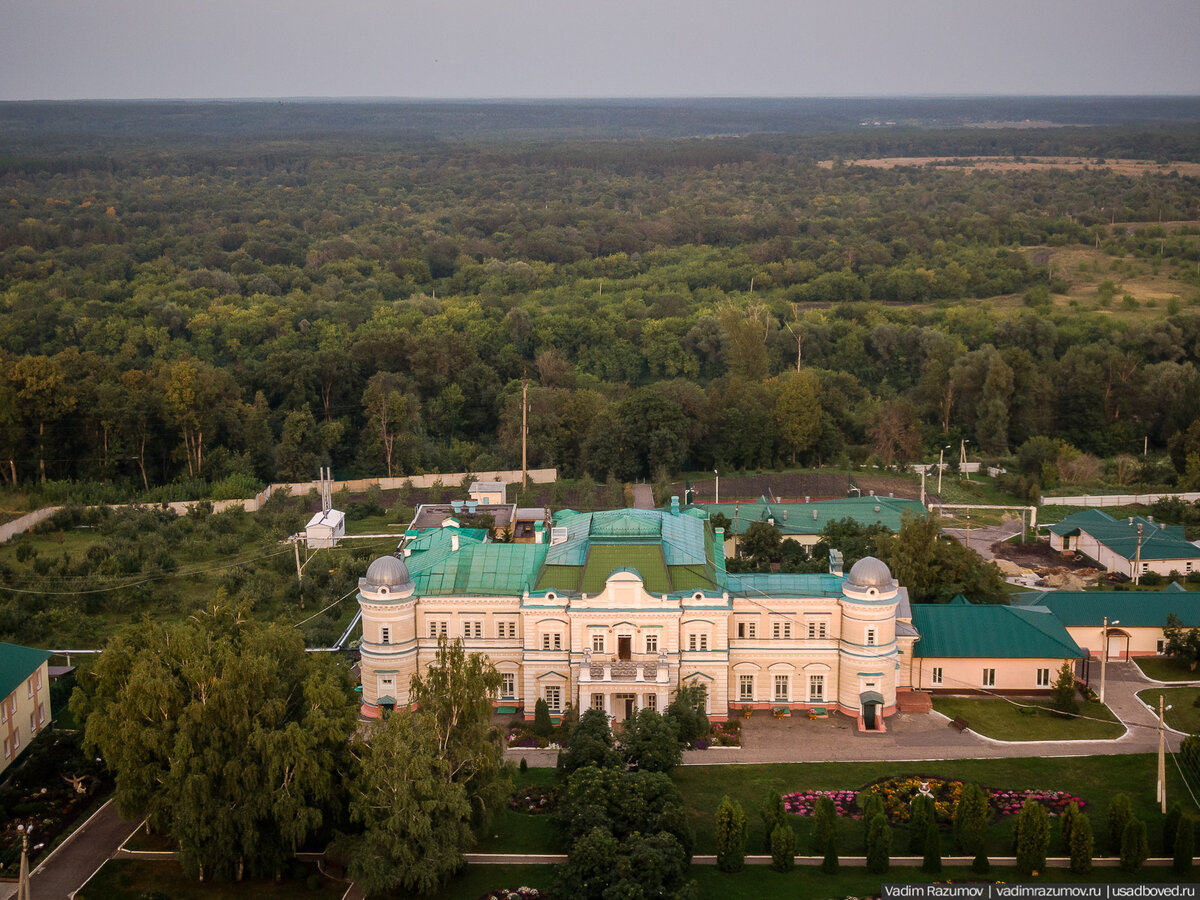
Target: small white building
[
  {"x": 324, "y": 529},
  {"x": 488, "y": 493}
]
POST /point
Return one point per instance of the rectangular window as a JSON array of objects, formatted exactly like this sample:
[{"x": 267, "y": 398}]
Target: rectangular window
[
  {"x": 41, "y": 712},
  {"x": 989, "y": 677},
  {"x": 816, "y": 687},
  {"x": 508, "y": 685},
  {"x": 746, "y": 630},
  {"x": 782, "y": 631},
  {"x": 37, "y": 676},
  {"x": 652, "y": 643},
  {"x": 554, "y": 697},
  {"x": 1160, "y": 648},
  {"x": 1043, "y": 677},
  {"x": 781, "y": 688},
  {"x": 936, "y": 675},
  {"x": 870, "y": 637},
  {"x": 704, "y": 642},
  {"x": 652, "y": 701},
  {"x": 822, "y": 632},
  {"x": 7, "y": 749},
  {"x": 745, "y": 687},
  {"x": 598, "y": 702},
  {"x": 557, "y": 641},
  {"x": 691, "y": 642},
  {"x": 32, "y": 723},
  {"x": 812, "y": 631},
  {"x": 598, "y": 642},
  {"x": 385, "y": 635},
  {"x": 16, "y": 738},
  {"x": 3, "y": 711},
  {"x": 546, "y": 641},
  {"x": 741, "y": 630},
  {"x": 29, "y": 687}
]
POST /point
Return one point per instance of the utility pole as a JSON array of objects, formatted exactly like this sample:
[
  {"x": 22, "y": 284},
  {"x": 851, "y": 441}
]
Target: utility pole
[
  {"x": 525, "y": 431},
  {"x": 1137, "y": 560},
  {"x": 23, "y": 875},
  {"x": 735, "y": 518},
  {"x": 1162, "y": 758}
]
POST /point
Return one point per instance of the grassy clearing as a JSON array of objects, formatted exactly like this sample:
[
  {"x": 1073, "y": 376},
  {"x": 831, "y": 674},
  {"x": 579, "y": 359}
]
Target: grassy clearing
[
  {"x": 1183, "y": 714},
  {"x": 1164, "y": 668},
  {"x": 1006, "y": 721},
  {"x": 532, "y": 834},
  {"x": 135, "y": 879}
]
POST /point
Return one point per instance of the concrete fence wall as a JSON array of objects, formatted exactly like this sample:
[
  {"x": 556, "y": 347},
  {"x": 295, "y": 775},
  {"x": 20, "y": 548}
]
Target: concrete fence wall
[
  {"x": 255, "y": 503},
  {"x": 1117, "y": 499},
  {"x": 970, "y": 468}
]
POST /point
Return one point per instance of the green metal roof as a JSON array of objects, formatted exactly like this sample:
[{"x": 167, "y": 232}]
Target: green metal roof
[
  {"x": 1135, "y": 609},
  {"x": 811, "y": 518},
  {"x": 438, "y": 538},
  {"x": 646, "y": 561},
  {"x": 16, "y": 664},
  {"x": 962, "y": 629},
  {"x": 480, "y": 569},
  {"x": 779, "y": 585},
  {"x": 1120, "y": 535}
]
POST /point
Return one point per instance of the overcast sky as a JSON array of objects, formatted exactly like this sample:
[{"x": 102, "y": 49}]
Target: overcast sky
[{"x": 67, "y": 49}]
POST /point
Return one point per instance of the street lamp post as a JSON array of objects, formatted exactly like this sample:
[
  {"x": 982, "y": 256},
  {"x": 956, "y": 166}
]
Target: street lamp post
[
  {"x": 718, "y": 488},
  {"x": 1162, "y": 758},
  {"x": 23, "y": 877},
  {"x": 1104, "y": 655},
  {"x": 941, "y": 459},
  {"x": 1137, "y": 559}
]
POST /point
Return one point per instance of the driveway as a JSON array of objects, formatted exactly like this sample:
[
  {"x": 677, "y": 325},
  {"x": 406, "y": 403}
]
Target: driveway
[
  {"x": 981, "y": 539},
  {"x": 917, "y": 736}
]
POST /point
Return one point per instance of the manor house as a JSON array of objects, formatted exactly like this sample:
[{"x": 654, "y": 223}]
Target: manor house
[{"x": 616, "y": 609}]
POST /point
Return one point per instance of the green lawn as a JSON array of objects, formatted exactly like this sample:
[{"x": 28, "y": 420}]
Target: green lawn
[
  {"x": 1164, "y": 668},
  {"x": 1005, "y": 721},
  {"x": 1183, "y": 714},
  {"x": 136, "y": 879},
  {"x": 533, "y": 834}
]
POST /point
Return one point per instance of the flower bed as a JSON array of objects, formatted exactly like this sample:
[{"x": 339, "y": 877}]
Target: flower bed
[
  {"x": 521, "y": 893},
  {"x": 521, "y": 735},
  {"x": 726, "y": 734},
  {"x": 898, "y": 794},
  {"x": 533, "y": 800}
]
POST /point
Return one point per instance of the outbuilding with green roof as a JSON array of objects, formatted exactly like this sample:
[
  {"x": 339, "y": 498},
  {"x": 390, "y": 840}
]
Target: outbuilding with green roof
[
  {"x": 1131, "y": 546},
  {"x": 24, "y": 698}
]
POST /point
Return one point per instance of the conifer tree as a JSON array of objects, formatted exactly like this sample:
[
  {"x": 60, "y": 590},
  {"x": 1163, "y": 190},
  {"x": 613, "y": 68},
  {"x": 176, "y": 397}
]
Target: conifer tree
[
  {"x": 731, "y": 835},
  {"x": 783, "y": 848},
  {"x": 879, "y": 845},
  {"x": 1185, "y": 846},
  {"x": 1082, "y": 845},
  {"x": 932, "y": 862},
  {"x": 1119, "y": 813},
  {"x": 1135, "y": 846},
  {"x": 1033, "y": 838}
]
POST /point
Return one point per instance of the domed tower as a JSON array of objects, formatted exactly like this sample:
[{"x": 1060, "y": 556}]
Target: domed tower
[
  {"x": 867, "y": 647},
  {"x": 389, "y": 628}
]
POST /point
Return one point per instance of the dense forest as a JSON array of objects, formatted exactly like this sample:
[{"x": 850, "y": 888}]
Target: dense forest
[{"x": 216, "y": 307}]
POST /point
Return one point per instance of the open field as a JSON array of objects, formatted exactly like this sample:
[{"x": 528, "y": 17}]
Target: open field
[{"x": 1033, "y": 163}]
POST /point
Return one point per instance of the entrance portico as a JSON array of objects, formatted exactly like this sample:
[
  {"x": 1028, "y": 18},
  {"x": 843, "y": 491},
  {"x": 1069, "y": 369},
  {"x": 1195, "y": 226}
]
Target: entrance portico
[{"x": 623, "y": 685}]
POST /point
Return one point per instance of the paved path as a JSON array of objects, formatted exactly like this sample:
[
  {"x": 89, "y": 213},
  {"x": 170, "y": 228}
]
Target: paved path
[
  {"x": 643, "y": 496},
  {"x": 73, "y": 862},
  {"x": 981, "y": 539},
  {"x": 914, "y": 737}
]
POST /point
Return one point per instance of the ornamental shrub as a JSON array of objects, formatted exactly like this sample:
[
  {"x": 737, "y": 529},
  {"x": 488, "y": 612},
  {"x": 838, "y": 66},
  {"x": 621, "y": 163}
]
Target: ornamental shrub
[
  {"x": 1033, "y": 838},
  {"x": 980, "y": 864},
  {"x": 830, "y": 864},
  {"x": 824, "y": 820},
  {"x": 932, "y": 862},
  {"x": 1069, "y": 817},
  {"x": 871, "y": 808},
  {"x": 731, "y": 835},
  {"x": 879, "y": 845},
  {"x": 542, "y": 724},
  {"x": 922, "y": 813},
  {"x": 1119, "y": 813},
  {"x": 783, "y": 848},
  {"x": 970, "y": 819},
  {"x": 1082, "y": 845},
  {"x": 1066, "y": 695},
  {"x": 1185, "y": 846},
  {"x": 1135, "y": 846},
  {"x": 1171, "y": 828},
  {"x": 773, "y": 813}
]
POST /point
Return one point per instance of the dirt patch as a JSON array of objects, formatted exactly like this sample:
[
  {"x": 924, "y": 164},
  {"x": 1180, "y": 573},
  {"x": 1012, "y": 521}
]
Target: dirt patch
[
  {"x": 1010, "y": 164},
  {"x": 1068, "y": 572}
]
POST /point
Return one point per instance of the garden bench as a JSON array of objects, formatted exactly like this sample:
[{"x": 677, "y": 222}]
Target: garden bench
[{"x": 958, "y": 722}]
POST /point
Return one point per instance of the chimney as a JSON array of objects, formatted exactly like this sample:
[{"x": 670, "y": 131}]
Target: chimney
[
  {"x": 1150, "y": 519},
  {"x": 807, "y": 498},
  {"x": 453, "y": 541},
  {"x": 814, "y": 515},
  {"x": 539, "y": 532},
  {"x": 674, "y": 506}
]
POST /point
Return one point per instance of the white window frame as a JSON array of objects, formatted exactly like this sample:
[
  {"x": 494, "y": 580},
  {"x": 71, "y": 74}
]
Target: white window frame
[
  {"x": 782, "y": 631},
  {"x": 816, "y": 688},
  {"x": 783, "y": 688},
  {"x": 746, "y": 688},
  {"x": 652, "y": 643},
  {"x": 598, "y": 702},
  {"x": 703, "y": 641},
  {"x": 553, "y": 691},
  {"x": 1043, "y": 678},
  {"x": 989, "y": 677},
  {"x": 1160, "y": 647},
  {"x": 508, "y": 685},
  {"x": 598, "y": 642},
  {"x": 935, "y": 675},
  {"x": 652, "y": 702},
  {"x": 692, "y": 642}
]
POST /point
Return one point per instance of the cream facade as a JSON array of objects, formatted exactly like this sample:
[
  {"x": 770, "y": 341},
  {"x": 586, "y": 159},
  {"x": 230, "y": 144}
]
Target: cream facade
[
  {"x": 25, "y": 707},
  {"x": 624, "y": 606}
]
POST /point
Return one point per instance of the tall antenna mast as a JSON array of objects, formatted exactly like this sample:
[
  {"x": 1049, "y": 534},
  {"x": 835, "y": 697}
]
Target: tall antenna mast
[
  {"x": 524, "y": 431},
  {"x": 326, "y": 489}
]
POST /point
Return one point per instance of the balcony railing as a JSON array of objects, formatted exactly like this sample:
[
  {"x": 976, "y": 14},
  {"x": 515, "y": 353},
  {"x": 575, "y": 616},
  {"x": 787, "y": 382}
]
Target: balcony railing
[{"x": 649, "y": 669}]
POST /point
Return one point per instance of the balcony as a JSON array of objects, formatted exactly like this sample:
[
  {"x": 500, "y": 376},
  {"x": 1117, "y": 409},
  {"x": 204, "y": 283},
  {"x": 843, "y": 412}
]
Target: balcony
[{"x": 648, "y": 669}]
